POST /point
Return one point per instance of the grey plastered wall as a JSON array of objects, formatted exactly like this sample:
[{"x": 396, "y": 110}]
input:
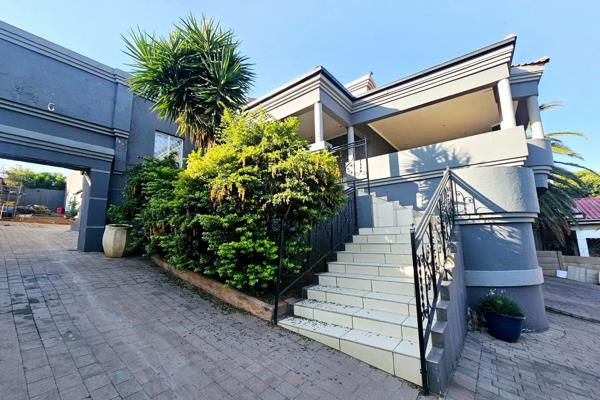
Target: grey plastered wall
[
  {"x": 497, "y": 197},
  {"x": 60, "y": 108},
  {"x": 48, "y": 197},
  {"x": 449, "y": 332},
  {"x": 411, "y": 176}
]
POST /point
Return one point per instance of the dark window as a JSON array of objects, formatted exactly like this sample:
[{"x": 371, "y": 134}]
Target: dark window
[{"x": 594, "y": 247}]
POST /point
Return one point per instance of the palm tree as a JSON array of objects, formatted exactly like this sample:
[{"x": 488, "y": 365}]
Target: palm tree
[
  {"x": 556, "y": 204},
  {"x": 192, "y": 75}
]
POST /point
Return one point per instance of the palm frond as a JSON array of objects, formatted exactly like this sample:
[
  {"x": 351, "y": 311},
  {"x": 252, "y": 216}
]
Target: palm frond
[
  {"x": 192, "y": 75},
  {"x": 551, "y": 104}
]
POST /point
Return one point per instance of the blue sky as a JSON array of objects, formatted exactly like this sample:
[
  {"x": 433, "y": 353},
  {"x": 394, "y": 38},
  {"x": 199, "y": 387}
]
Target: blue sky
[{"x": 390, "y": 38}]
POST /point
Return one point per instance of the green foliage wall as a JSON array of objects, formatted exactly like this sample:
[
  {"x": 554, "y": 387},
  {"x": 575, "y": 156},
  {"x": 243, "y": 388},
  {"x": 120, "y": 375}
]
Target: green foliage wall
[
  {"x": 221, "y": 215},
  {"x": 35, "y": 180}
]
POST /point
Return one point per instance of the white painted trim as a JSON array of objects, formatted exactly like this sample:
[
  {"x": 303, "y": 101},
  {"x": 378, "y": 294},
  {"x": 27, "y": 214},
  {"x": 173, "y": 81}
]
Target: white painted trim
[{"x": 510, "y": 278}]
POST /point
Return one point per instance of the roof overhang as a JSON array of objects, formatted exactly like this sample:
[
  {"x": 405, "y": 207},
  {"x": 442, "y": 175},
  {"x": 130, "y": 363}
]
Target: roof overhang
[{"x": 479, "y": 70}]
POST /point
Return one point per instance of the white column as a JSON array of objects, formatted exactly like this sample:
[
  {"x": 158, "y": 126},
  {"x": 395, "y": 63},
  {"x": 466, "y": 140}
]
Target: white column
[
  {"x": 319, "y": 134},
  {"x": 350, "y": 131},
  {"x": 506, "y": 105},
  {"x": 533, "y": 110}
]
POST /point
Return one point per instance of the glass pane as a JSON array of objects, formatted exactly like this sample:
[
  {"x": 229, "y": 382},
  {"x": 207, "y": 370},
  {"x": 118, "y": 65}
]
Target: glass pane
[
  {"x": 161, "y": 145},
  {"x": 176, "y": 146}
]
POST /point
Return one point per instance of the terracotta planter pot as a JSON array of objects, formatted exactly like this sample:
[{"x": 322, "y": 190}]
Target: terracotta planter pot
[{"x": 115, "y": 239}]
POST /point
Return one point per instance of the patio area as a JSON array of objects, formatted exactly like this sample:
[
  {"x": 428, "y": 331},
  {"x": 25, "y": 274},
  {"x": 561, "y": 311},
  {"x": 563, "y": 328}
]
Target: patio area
[{"x": 79, "y": 325}]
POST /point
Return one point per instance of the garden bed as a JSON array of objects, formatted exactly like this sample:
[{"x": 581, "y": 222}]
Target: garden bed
[{"x": 229, "y": 295}]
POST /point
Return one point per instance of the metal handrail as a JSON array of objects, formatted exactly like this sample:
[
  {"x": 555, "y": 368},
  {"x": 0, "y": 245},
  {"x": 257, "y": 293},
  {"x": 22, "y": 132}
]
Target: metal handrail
[
  {"x": 351, "y": 181},
  {"x": 426, "y": 254}
]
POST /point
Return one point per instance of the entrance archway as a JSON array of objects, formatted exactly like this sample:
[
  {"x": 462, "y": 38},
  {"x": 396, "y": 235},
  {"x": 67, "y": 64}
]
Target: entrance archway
[{"x": 94, "y": 161}]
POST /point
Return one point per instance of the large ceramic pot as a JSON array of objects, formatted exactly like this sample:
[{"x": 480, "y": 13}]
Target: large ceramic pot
[
  {"x": 504, "y": 327},
  {"x": 115, "y": 239}
]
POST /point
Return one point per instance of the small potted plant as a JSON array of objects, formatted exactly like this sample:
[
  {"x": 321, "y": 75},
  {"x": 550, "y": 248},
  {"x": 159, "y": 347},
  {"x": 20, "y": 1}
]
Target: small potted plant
[{"x": 503, "y": 316}]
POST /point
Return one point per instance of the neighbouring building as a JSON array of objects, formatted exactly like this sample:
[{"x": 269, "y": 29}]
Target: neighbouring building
[
  {"x": 587, "y": 230},
  {"x": 451, "y": 137}
]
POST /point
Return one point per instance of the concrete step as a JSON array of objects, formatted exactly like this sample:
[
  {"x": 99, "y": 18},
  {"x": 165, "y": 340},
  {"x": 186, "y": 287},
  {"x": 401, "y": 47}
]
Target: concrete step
[
  {"x": 384, "y": 258},
  {"x": 394, "y": 230},
  {"x": 392, "y": 355},
  {"x": 399, "y": 248},
  {"x": 371, "y": 269},
  {"x": 371, "y": 283},
  {"x": 381, "y": 239},
  {"x": 390, "y": 213},
  {"x": 374, "y": 321},
  {"x": 393, "y": 303}
]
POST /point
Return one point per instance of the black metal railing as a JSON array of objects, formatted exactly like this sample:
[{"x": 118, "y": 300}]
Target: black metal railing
[
  {"x": 353, "y": 162},
  {"x": 429, "y": 242},
  {"x": 329, "y": 235}
]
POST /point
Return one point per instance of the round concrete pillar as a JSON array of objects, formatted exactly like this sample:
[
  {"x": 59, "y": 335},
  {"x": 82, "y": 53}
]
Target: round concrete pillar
[{"x": 497, "y": 206}]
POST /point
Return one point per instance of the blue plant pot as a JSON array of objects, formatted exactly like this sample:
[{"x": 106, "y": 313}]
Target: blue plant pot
[{"x": 504, "y": 327}]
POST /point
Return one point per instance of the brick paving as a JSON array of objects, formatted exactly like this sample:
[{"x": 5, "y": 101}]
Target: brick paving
[
  {"x": 562, "y": 363},
  {"x": 81, "y": 326}
]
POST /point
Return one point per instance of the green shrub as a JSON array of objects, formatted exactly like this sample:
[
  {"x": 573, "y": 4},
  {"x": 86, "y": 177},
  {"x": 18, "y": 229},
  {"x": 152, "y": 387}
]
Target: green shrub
[
  {"x": 500, "y": 304},
  {"x": 147, "y": 202},
  {"x": 240, "y": 189},
  {"x": 221, "y": 215}
]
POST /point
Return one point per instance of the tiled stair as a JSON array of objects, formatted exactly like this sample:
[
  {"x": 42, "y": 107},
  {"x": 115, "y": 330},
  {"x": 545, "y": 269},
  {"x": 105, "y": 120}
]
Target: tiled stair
[{"x": 364, "y": 305}]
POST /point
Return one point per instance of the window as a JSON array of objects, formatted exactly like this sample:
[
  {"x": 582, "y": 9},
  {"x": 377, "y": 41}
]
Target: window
[{"x": 165, "y": 145}]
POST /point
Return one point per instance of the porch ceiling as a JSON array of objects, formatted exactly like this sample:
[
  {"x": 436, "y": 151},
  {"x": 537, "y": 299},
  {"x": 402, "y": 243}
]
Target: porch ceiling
[
  {"x": 331, "y": 126},
  {"x": 466, "y": 115}
]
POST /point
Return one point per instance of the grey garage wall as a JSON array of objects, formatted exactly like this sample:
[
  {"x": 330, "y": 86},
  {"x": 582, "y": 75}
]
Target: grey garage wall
[{"x": 60, "y": 108}]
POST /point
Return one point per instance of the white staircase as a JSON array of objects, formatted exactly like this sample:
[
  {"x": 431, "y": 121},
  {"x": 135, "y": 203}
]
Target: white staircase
[{"x": 364, "y": 305}]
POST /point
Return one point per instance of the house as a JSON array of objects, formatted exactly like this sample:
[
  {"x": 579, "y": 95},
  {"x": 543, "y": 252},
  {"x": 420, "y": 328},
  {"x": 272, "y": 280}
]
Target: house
[
  {"x": 450, "y": 134},
  {"x": 443, "y": 177},
  {"x": 587, "y": 230}
]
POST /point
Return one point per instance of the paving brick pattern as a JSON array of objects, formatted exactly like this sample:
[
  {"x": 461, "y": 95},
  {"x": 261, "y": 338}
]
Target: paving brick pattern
[
  {"x": 562, "y": 363},
  {"x": 81, "y": 326}
]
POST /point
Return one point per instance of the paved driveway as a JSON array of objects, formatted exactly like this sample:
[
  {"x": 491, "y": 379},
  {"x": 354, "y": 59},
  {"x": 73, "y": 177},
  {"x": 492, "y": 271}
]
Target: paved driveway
[
  {"x": 78, "y": 325},
  {"x": 562, "y": 363}
]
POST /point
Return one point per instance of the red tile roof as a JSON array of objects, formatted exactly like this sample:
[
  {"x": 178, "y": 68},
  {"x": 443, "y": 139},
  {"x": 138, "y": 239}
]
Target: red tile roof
[{"x": 589, "y": 206}]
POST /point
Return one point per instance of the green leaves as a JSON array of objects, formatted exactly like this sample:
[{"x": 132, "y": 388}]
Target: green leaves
[
  {"x": 35, "y": 180},
  {"x": 556, "y": 204},
  {"x": 221, "y": 215},
  {"x": 259, "y": 172},
  {"x": 192, "y": 75}
]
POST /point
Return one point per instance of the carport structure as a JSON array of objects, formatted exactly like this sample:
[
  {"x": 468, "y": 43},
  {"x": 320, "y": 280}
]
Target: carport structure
[{"x": 60, "y": 108}]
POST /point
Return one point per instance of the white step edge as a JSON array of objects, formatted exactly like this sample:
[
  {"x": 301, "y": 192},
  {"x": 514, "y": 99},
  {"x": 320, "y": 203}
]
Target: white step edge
[
  {"x": 371, "y": 269},
  {"x": 374, "y": 321},
  {"x": 395, "y": 248},
  {"x": 373, "y": 283},
  {"x": 399, "y": 304},
  {"x": 390, "y": 238},
  {"x": 397, "y": 357}
]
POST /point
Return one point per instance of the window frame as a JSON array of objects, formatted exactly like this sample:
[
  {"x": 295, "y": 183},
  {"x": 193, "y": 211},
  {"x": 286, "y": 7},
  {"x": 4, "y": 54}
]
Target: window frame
[{"x": 171, "y": 140}]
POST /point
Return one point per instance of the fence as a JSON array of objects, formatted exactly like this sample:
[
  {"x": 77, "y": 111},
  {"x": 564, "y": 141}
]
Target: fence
[{"x": 582, "y": 269}]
